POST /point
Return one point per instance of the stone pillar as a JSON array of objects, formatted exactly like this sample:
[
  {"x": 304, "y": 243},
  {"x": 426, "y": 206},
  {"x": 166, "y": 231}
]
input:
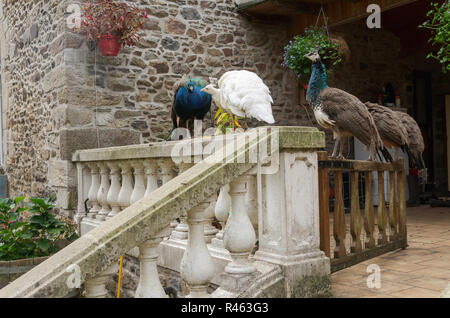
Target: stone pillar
[
  {"x": 149, "y": 285},
  {"x": 239, "y": 237},
  {"x": 151, "y": 172},
  {"x": 289, "y": 221},
  {"x": 127, "y": 186},
  {"x": 222, "y": 208},
  {"x": 83, "y": 177},
  {"x": 197, "y": 267},
  {"x": 103, "y": 192},
  {"x": 251, "y": 201},
  {"x": 181, "y": 230},
  {"x": 96, "y": 287},
  {"x": 210, "y": 230},
  {"x": 139, "y": 181},
  {"x": 114, "y": 189},
  {"x": 93, "y": 190},
  {"x": 167, "y": 174}
]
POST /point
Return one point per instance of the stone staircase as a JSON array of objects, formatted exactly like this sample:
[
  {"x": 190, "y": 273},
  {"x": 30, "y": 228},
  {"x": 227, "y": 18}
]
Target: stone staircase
[{"x": 267, "y": 180}]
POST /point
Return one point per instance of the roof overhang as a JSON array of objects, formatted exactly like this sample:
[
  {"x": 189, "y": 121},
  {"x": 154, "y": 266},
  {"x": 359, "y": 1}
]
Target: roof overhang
[{"x": 337, "y": 11}]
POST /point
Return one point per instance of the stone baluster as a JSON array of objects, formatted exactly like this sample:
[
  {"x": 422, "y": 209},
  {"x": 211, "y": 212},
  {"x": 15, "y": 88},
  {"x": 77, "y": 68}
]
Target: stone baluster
[
  {"x": 139, "y": 181},
  {"x": 251, "y": 201},
  {"x": 167, "y": 174},
  {"x": 197, "y": 267},
  {"x": 83, "y": 177},
  {"x": 239, "y": 237},
  {"x": 149, "y": 285},
  {"x": 96, "y": 287},
  {"x": 113, "y": 193},
  {"x": 151, "y": 172},
  {"x": 210, "y": 230},
  {"x": 222, "y": 209},
  {"x": 167, "y": 171},
  {"x": 127, "y": 186},
  {"x": 181, "y": 230},
  {"x": 93, "y": 190},
  {"x": 103, "y": 192}
]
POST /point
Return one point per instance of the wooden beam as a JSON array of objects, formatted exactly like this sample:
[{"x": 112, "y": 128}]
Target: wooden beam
[
  {"x": 297, "y": 7},
  {"x": 350, "y": 15}
]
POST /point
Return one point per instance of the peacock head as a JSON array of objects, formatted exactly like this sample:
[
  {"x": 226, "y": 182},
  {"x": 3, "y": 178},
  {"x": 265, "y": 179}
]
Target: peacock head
[
  {"x": 313, "y": 55},
  {"x": 190, "y": 86},
  {"x": 210, "y": 89}
]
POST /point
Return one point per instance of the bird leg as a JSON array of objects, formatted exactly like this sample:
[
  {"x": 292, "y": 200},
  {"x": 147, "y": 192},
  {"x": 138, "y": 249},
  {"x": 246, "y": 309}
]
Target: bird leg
[
  {"x": 372, "y": 156},
  {"x": 341, "y": 149},
  {"x": 234, "y": 123},
  {"x": 245, "y": 123},
  {"x": 395, "y": 153},
  {"x": 336, "y": 144}
]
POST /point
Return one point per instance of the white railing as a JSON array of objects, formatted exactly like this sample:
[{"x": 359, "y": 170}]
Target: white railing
[{"x": 126, "y": 196}]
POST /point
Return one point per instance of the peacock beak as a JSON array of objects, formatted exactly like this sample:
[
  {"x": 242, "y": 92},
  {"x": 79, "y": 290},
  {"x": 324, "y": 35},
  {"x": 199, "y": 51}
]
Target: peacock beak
[
  {"x": 191, "y": 88},
  {"x": 202, "y": 90}
]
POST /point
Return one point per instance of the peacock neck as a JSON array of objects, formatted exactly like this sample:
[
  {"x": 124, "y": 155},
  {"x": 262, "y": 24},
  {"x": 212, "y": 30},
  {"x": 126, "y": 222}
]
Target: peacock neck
[
  {"x": 317, "y": 83},
  {"x": 215, "y": 94}
]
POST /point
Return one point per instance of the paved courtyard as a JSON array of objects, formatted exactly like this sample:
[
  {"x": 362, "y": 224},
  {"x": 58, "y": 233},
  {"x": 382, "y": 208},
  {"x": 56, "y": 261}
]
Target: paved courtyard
[{"x": 421, "y": 270}]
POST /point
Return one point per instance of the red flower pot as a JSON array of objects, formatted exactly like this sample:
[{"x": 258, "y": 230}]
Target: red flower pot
[{"x": 109, "y": 45}]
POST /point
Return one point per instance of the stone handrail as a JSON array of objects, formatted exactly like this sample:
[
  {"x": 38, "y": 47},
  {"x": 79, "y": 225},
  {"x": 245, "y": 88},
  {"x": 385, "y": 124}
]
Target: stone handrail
[{"x": 146, "y": 220}]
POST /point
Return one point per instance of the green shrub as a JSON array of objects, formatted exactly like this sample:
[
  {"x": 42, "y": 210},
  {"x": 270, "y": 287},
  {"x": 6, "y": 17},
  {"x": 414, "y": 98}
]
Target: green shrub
[
  {"x": 30, "y": 229},
  {"x": 439, "y": 24}
]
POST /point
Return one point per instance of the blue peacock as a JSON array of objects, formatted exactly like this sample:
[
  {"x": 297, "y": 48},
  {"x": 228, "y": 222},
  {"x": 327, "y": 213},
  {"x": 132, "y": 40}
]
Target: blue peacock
[
  {"x": 190, "y": 103},
  {"x": 341, "y": 112}
]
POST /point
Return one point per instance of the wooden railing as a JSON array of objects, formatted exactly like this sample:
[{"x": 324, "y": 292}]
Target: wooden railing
[{"x": 361, "y": 235}]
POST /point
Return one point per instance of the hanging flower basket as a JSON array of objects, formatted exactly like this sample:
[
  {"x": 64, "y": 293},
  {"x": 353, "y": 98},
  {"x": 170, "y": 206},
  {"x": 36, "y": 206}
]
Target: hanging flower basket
[
  {"x": 314, "y": 37},
  {"x": 109, "y": 45},
  {"x": 112, "y": 23}
]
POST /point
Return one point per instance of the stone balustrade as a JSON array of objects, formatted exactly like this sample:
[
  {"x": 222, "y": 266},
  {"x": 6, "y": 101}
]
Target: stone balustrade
[{"x": 129, "y": 196}]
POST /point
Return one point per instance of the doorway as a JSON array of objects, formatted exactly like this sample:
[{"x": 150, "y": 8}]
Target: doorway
[{"x": 423, "y": 114}]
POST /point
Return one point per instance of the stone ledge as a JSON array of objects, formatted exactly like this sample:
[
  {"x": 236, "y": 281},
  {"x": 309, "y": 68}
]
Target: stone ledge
[
  {"x": 72, "y": 140},
  {"x": 289, "y": 138}
]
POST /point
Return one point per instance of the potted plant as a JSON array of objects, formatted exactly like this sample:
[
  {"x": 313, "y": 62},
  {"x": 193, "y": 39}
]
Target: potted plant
[
  {"x": 29, "y": 234},
  {"x": 294, "y": 53},
  {"x": 112, "y": 24}
]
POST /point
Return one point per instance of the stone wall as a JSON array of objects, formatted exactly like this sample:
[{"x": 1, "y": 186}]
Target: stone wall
[
  {"x": 31, "y": 57},
  {"x": 65, "y": 96},
  {"x": 182, "y": 38}
]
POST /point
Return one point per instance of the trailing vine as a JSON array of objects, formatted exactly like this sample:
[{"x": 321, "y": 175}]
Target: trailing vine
[{"x": 439, "y": 24}]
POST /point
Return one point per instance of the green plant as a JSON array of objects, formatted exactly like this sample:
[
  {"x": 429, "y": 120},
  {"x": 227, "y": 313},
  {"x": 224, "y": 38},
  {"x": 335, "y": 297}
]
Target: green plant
[
  {"x": 315, "y": 37},
  {"x": 31, "y": 230},
  {"x": 107, "y": 17},
  {"x": 15, "y": 240},
  {"x": 439, "y": 24}
]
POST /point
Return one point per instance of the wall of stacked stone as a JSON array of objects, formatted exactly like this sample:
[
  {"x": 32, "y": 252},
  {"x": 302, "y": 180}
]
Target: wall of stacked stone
[
  {"x": 129, "y": 96},
  {"x": 32, "y": 61},
  {"x": 182, "y": 38},
  {"x": 65, "y": 96}
]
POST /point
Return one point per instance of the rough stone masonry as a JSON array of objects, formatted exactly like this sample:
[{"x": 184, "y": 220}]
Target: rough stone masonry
[{"x": 64, "y": 96}]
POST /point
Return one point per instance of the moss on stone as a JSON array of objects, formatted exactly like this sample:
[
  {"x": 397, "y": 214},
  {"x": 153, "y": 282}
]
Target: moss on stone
[{"x": 313, "y": 287}]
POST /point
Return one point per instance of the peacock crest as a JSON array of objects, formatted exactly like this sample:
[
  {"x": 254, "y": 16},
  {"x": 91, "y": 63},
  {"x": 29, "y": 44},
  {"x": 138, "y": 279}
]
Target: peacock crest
[{"x": 196, "y": 82}]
